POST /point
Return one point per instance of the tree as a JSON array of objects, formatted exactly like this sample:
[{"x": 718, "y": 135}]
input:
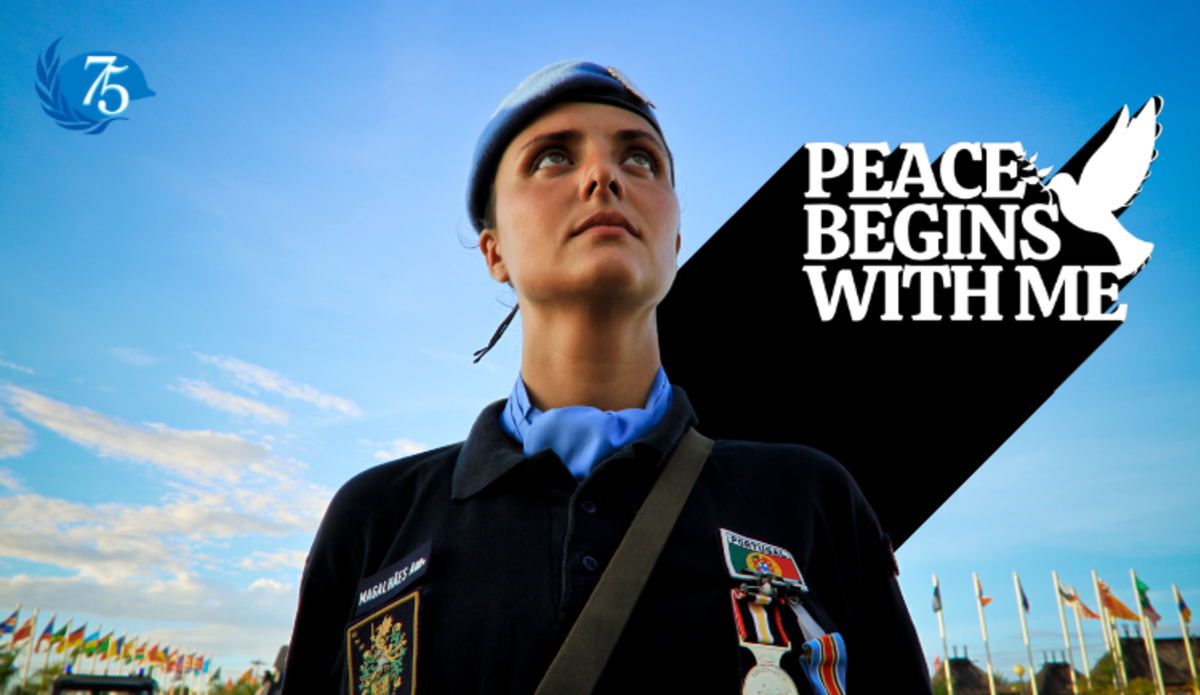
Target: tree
[{"x": 8, "y": 667}]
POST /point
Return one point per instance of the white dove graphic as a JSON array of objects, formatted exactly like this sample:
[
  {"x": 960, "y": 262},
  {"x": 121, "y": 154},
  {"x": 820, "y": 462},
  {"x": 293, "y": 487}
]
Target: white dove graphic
[{"x": 1109, "y": 174}]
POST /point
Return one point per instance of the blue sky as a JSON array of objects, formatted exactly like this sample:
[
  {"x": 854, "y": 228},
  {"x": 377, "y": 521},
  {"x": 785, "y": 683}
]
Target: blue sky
[{"x": 262, "y": 283}]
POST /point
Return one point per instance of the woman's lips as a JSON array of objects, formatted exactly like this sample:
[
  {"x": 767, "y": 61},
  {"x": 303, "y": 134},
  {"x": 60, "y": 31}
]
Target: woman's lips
[{"x": 607, "y": 223}]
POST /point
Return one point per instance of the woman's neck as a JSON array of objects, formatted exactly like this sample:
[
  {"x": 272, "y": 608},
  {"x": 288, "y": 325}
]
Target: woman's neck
[{"x": 575, "y": 357}]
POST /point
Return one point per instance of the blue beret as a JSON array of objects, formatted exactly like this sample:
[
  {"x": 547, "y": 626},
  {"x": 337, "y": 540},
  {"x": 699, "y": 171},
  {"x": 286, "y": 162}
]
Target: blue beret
[{"x": 570, "y": 80}]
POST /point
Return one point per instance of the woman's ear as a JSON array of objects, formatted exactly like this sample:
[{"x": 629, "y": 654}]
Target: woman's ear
[{"x": 489, "y": 245}]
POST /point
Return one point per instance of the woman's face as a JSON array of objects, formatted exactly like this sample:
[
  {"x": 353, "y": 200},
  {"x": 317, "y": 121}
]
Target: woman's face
[{"x": 585, "y": 211}]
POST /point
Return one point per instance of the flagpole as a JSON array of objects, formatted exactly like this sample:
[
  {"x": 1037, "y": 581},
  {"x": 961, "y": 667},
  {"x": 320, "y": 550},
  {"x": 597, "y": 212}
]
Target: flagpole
[
  {"x": 983, "y": 628},
  {"x": 1025, "y": 630},
  {"x": 108, "y": 655},
  {"x": 32, "y": 645},
  {"x": 50, "y": 647},
  {"x": 1062, "y": 618},
  {"x": 66, "y": 642},
  {"x": 1111, "y": 640},
  {"x": 99, "y": 630},
  {"x": 937, "y": 591},
  {"x": 1087, "y": 671},
  {"x": 75, "y": 656},
  {"x": 1187, "y": 639},
  {"x": 1112, "y": 650},
  {"x": 164, "y": 668},
  {"x": 1112, "y": 629},
  {"x": 1147, "y": 636},
  {"x": 121, "y": 654}
]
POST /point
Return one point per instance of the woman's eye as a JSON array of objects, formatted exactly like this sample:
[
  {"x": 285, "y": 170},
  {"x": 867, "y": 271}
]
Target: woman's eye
[
  {"x": 551, "y": 159},
  {"x": 639, "y": 159}
]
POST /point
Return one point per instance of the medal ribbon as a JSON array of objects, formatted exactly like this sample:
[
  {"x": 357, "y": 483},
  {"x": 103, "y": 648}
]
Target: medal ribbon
[
  {"x": 757, "y": 619},
  {"x": 824, "y": 661}
]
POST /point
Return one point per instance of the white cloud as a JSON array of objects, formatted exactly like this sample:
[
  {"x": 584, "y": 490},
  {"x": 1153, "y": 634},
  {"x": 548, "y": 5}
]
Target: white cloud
[
  {"x": 222, "y": 400},
  {"x": 265, "y": 584},
  {"x": 15, "y": 438},
  {"x": 255, "y": 376},
  {"x": 19, "y": 368},
  {"x": 9, "y": 479},
  {"x": 132, "y": 356},
  {"x": 110, "y": 542},
  {"x": 199, "y": 455},
  {"x": 293, "y": 559},
  {"x": 398, "y": 448}
]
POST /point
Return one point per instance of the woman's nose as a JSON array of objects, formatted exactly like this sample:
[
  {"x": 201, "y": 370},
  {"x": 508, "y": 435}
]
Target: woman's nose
[{"x": 601, "y": 177}]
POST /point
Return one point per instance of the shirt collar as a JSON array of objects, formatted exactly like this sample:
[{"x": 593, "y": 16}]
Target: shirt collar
[{"x": 488, "y": 453}]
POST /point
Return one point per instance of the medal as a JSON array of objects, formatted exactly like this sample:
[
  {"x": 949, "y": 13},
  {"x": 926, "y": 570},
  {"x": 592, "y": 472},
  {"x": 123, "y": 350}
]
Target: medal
[
  {"x": 766, "y": 678},
  {"x": 776, "y": 581},
  {"x": 761, "y": 632}
]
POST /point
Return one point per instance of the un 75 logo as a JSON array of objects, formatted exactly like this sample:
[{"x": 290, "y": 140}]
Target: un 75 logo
[{"x": 102, "y": 82}]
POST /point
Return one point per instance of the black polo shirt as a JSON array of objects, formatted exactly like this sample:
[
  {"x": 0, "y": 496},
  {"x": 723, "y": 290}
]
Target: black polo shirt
[{"x": 517, "y": 545}]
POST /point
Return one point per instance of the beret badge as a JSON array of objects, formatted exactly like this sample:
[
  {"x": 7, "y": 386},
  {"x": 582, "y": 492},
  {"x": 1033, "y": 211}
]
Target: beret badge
[{"x": 629, "y": 85}]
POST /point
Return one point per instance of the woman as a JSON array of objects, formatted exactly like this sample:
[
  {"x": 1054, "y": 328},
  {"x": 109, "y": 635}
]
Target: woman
[{"x": 463, "y": 569}]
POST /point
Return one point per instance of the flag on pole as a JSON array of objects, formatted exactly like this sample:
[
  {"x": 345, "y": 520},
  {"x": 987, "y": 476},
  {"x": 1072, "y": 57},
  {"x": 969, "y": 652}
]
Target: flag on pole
[
  {"x": 90, "y": 642},
  {"x": 155, "y": 656},
  {"x": 47, "y": 635},
  {"x": 140, "y": 653},
  {"x": 9, "y": 625},
  {"x": 1184, "y": 611},
  {"x": 937, "y": 598},
  {"x": 1115, "y": 608},
  {"x": 937, "y": 664},
  {"x": 1024, "y": 600},
  {"x": 103, "y": 645},
  {"x": 1143, "y": 599},
  {"x": 1072, "y": 598},
  {"x": 25, "y": 632},
  {"x": 75, "y": 639},
  {"x": 985, "y": 600},
  {"x": 59, "y": 639}
]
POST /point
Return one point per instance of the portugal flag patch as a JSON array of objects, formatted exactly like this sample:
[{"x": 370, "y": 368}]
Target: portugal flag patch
[{"x": 745, "y": 556}]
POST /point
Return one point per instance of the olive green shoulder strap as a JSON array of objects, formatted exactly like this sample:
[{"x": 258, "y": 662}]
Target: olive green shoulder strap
[{"x": 585, "y": 652}]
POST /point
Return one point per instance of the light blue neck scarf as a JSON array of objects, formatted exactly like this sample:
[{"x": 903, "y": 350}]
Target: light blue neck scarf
[{"x": 582, "y": 435}]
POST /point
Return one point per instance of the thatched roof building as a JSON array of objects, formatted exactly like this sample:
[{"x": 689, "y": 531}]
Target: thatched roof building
[{"x": 1172, "y": 657}]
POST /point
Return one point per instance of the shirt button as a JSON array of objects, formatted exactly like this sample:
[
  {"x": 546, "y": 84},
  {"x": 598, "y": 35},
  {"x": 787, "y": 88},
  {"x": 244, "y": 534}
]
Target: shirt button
[
  {"x": 588, "y": 506},
  {"x": 590, "y": 562}
]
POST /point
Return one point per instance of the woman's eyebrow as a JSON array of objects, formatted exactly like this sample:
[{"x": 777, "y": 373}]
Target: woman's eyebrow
[
  {"x": 558, "y": 136},
  {"x": 639, "y": 134}
]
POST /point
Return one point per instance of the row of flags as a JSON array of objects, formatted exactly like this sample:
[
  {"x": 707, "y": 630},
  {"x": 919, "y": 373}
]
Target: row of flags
[
  {"x": 107, "y": 647},
  {"x": 1111, "y": 609},
  {"x": 1113, "y": 604},
  {"x": 178, "y": 663}
]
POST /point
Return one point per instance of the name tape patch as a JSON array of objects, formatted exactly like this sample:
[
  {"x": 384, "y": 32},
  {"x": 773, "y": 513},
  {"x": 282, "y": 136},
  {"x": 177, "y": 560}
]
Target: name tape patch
[{"x": 379, "y": 588}]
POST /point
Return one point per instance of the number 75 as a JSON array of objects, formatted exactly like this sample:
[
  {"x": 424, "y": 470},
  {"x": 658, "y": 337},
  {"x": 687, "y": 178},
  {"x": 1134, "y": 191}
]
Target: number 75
[{"x": 102, "y": 82}]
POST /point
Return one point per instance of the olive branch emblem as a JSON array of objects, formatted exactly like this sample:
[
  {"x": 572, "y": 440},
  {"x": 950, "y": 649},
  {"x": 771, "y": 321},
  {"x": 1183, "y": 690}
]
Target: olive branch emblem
[{"x": 55, "y": 104}]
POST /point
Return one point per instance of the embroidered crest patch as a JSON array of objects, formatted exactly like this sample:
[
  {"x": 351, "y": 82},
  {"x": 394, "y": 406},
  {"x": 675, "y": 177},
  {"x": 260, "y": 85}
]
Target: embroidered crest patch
[{"x": 382, "y": 649}]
